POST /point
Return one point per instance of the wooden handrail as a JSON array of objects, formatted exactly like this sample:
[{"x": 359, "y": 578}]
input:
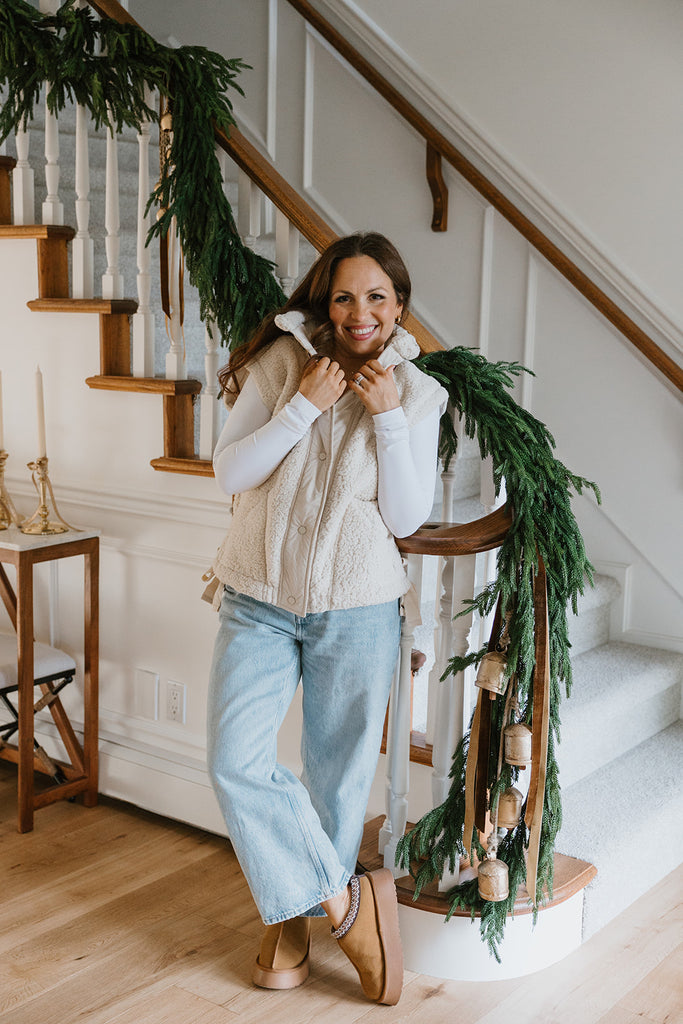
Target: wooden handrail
[
  {"x": 300, "y": 213},
  {"x": 447, "y": 539},
  {"x": 438, "y": 142}
]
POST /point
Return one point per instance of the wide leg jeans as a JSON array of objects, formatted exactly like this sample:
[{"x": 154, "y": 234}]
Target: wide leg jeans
[{"x": 297, "y": 839}]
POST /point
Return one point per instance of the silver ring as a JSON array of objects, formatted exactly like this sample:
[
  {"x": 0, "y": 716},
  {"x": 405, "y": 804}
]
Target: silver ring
[{"x": 358, "y": 379}]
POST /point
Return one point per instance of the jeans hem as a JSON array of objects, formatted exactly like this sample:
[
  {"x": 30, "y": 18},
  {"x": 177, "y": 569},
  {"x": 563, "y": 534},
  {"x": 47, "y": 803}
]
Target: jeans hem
[{"x": 286, "y": 916}]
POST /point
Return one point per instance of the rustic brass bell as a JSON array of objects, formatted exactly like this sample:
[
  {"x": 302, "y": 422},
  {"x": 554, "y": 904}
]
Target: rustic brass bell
[
  {"x": 491, "y": 673},
  {"x": 518, "y": 745},
  {"x": 510, "y": 808},
  {"x": 492, "y": 879}
]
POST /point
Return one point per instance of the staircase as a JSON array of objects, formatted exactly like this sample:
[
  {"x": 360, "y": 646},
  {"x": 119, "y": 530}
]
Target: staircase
[{"x": 622, "y": 738}]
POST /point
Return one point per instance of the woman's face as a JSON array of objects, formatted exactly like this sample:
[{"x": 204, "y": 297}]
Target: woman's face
[{"x": 363, "y": 307}]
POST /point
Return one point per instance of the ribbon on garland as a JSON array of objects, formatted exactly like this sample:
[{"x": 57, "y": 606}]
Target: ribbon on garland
[
  {"x": 476, "y": 771},
  {"x": 478, "y": 753},
  {"x": 540, "y": 724}
]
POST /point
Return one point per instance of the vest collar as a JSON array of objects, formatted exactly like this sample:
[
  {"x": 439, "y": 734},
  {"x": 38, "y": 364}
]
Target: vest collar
[{"x": 401, "y": 345}]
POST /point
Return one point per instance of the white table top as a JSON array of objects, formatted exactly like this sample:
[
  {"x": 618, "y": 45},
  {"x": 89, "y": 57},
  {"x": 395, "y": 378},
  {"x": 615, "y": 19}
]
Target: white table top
[{"x": 13, "y": 539}]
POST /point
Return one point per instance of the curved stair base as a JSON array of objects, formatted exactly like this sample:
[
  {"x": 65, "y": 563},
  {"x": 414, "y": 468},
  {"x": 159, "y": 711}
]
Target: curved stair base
[{"x": 454, "y": 949}]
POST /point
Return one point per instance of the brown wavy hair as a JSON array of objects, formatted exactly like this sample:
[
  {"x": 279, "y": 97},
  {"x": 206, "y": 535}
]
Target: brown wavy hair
[{"x": 312, "y": 297}]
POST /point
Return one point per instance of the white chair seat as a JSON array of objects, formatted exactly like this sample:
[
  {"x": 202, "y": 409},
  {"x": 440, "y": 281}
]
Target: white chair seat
[{"x": 48, "y": 662}]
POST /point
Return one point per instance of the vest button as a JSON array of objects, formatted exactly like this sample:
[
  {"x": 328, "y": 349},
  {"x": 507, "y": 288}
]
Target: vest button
[
  {"x": 322, "y": 456},
  {"x": 302, "y": 529},
  {"x": 291, "y": 600}
]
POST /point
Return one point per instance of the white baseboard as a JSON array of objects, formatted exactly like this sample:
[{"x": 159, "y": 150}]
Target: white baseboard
[{"x": 158, "y": 780}]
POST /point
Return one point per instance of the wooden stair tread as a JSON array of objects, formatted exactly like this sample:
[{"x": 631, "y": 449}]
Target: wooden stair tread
[
  {"x": 571, "y": 876},
  {"x": 37, "y": 231},
  {"x": 118, "y": 306},
  {"x": 192, "y": 467},
  {"x": 149, "y": 385}
]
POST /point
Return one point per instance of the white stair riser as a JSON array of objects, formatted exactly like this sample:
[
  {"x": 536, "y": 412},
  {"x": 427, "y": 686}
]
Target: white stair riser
[
  {"x": 452, "y": 949},
  {"x": 588, "y": 745}
]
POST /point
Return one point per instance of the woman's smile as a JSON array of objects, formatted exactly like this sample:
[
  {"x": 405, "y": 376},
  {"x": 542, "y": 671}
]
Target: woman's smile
[{"x": 361, "y": 333}]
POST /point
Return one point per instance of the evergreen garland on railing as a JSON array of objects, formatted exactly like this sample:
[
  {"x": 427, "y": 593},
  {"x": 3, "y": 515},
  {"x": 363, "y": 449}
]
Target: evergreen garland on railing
[
  {"x": 538, "y": 489},
  {"x": 236, "y": 287}
]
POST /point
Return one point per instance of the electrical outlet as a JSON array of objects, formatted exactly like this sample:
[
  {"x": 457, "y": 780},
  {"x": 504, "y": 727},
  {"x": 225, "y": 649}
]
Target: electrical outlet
[
  {"x": 175, "y": 702},
  {"x": 146, "y": 694}
]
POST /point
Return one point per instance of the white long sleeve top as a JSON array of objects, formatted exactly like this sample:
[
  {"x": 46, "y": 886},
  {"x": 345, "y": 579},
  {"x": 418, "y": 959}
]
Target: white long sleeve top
[{"x": 252, "y": 445}]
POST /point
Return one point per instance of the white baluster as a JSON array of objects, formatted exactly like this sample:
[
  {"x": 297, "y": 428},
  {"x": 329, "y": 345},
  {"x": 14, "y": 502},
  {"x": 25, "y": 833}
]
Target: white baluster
[
  {"x": 82, "y": 246},
  {"x": 398, "y": 756},
  {"x": 249, "y": 205},
  {"x": 286, "y": 251},
  {"x": 448, "y": 481},
  {"x": 443, "y": 610},
  {"x": 398, "y": 714},
  {"x": 209, "y": 406},
  {"x": 53, "y": 208},
  {"x": 175, "y": 357},
  {"x": 143, "y": 319},
  {"x": 443, "y": 642},
  {"x": 112, "y": 279},
  {"x": 385, "y": 830},
  {"x": 453, "y": 700},
  {"x": 22, "y": 181}
]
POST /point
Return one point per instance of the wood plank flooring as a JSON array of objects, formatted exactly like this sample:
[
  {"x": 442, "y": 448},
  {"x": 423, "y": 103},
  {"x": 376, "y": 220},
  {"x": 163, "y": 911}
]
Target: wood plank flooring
[{"x": 115, "y": 916}]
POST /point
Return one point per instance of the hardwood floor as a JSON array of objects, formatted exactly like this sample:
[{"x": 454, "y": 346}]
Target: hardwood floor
[{"x": 115, "y": 915}]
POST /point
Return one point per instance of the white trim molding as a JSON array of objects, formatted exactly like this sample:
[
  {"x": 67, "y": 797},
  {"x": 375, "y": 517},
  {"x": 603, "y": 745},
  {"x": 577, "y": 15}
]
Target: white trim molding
[{"x": 603, "y": 267}]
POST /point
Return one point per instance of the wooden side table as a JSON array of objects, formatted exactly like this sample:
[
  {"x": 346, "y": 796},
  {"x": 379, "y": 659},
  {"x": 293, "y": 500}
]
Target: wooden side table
[{"x": 24, "y": 552}]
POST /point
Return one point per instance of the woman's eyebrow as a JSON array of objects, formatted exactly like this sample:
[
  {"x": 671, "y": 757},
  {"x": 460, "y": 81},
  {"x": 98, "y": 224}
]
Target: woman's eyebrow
[{"x": 345, "y": 291}]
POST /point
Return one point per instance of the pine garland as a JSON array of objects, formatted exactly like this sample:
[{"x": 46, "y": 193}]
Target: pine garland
[
  {"x": 236, "y": 287},
  {"x": 538, "y": 489}
]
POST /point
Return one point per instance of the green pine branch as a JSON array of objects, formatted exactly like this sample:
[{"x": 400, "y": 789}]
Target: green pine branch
[
  {"x": 539, "y": 491},
  {"x": 236, "y": 287}
]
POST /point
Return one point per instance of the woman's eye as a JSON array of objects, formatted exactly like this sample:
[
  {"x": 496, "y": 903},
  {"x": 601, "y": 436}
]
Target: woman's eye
[
  {"x": 376, "y": 297},
  {"x": 342, "y": 298}
]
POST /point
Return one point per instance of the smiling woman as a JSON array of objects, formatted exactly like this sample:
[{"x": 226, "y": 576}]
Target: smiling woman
[{"x": 330, "y": 450}]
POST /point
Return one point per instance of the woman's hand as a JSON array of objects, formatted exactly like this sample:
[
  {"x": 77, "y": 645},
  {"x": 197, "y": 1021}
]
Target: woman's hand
[
  {"x": 322, "y": 382},
  {"x": 375, "y": 387}
]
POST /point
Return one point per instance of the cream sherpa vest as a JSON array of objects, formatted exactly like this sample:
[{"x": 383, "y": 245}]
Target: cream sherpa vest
[{"x": 311, "y": 537}]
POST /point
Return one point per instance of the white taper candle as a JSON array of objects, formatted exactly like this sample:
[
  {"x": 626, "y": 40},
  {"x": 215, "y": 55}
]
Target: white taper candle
[
  {"x": 40, "y": 407},
  {"x": 2, "y": 436}
]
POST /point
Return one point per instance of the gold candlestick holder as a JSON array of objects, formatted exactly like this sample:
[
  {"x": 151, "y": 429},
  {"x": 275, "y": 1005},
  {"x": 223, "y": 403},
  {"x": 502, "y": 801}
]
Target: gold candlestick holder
[
  {"x": 40, "y": 522},
  {"x": 8, "y": 513}
]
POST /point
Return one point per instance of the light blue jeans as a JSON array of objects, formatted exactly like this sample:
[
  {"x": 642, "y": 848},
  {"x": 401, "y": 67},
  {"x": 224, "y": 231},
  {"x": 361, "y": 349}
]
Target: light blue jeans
[{"x": 297, "y": 840}]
